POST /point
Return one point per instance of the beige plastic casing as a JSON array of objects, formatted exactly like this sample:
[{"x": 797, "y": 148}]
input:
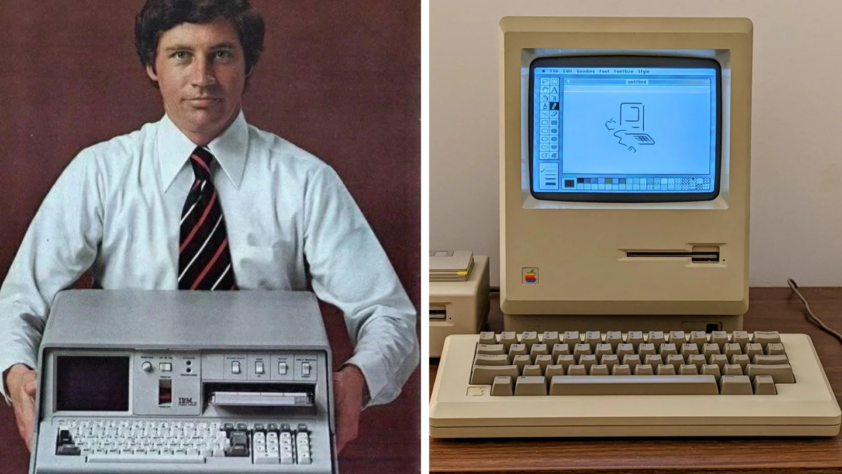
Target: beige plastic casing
[
  {"x": 465, "y": 304},
  {"x": 460, "y": 410},
  {"x": 580, "y": 248}
]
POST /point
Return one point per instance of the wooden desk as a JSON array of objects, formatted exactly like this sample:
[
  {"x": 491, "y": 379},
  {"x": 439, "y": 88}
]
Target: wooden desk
[{"x": 774, "y": 309}]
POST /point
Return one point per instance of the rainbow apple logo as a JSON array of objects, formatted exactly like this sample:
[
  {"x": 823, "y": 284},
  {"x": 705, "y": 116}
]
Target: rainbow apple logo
[{"x": 530, "y": 275}]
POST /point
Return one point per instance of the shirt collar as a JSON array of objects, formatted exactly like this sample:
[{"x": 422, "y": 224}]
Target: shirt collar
[{"x": 229, "y": 150}]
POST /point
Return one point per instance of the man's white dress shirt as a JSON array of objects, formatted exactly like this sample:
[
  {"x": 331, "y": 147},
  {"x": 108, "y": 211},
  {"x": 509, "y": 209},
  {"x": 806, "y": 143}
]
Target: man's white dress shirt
[{"x": 117, "y": 207}]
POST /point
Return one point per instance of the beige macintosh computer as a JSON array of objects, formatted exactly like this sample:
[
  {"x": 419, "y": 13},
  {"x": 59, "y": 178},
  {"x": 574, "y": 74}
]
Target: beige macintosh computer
[{"x": 624, "y": 246}]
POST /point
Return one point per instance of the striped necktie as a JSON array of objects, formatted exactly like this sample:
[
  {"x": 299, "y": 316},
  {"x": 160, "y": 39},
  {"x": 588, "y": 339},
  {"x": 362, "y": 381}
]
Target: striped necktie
[{"x": 204, "y": 259}]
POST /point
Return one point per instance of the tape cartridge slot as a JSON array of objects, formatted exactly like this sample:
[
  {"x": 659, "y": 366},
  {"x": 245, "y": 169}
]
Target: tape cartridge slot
[{"x": 286, "y": 398}]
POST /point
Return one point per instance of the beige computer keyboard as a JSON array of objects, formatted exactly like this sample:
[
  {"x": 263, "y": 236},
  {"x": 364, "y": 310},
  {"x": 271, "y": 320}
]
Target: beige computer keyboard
[{"x": 631, "y": 384}]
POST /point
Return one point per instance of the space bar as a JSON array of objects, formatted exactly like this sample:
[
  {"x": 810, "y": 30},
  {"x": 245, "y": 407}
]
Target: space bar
[
  {"x": 124, "y": 458},
  {"x": 634, "y": 385}
]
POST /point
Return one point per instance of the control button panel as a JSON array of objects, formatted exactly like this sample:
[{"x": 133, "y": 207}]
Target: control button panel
[
  {"x": 258, "y": 365},
  {"x": 305, "y": 367},
  {"x": 235, "y": 367}
]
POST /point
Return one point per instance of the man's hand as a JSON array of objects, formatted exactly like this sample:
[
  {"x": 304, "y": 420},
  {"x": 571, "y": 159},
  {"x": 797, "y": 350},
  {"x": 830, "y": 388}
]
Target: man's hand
[
  {"x": 349, "y": 385},
  {"x": 21, "y": 381}
]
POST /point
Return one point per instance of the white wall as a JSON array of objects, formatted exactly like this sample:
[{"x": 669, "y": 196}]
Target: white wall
[{"x": 796, "y": 216}]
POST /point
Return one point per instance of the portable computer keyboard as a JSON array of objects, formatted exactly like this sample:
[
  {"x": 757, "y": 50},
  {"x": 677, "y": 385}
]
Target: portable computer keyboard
[{"x": 660, "y": 383}]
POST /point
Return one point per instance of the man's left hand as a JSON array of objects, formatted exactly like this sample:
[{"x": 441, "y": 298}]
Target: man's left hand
[{"x": 349, "y": 384}]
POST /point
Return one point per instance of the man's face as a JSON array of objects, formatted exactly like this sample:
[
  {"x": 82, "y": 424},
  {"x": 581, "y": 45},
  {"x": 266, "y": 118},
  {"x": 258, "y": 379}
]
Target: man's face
[{"x": 200, "y": 71}]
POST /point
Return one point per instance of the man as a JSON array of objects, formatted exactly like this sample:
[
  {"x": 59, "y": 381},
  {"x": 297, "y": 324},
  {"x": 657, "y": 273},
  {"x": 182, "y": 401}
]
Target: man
[{"x": 202, "y": 200}]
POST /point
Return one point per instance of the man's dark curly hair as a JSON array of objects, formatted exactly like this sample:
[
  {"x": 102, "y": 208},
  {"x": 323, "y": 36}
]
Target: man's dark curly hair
[{"x": 158, "y": 16}]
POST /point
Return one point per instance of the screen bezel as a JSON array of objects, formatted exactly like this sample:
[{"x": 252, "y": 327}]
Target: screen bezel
[{"x": 627, "y": 61}]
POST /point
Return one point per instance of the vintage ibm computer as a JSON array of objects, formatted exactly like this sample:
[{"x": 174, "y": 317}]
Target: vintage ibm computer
[
  {"x": 184, "y": 382},
  {"x": 624, "y": 229}
]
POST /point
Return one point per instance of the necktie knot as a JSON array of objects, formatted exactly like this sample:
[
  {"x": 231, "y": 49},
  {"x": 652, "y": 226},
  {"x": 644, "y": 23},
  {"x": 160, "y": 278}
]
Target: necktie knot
[{"x": 201, "y": 160}]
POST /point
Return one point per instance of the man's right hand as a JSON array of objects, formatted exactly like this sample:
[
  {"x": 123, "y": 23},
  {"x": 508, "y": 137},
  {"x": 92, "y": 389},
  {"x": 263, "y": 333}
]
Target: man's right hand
[{"x": 21, "y": 382}]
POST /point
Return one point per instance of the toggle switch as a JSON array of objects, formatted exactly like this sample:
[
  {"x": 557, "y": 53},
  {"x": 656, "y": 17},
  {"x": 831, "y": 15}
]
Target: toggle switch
[
  {"x": 282, "y": 368},
  {"x": 235, "y": 367},
  {"x": 258, "y": 368}
]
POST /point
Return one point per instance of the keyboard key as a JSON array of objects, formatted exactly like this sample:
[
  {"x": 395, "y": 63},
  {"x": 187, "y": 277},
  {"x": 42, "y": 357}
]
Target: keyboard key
[
  {"x": 769, "y": 360},
  {"x": 560, "y": 349},
  {"x": 485, "y": 359},
  {"x": 577, "y": 370},
  {"x": 624, "y": 350},
  {"x": 571, "y": 338},
  {"x": 543, "y": 360},
  {"x": 664, "y": 369},
  {"x": 667, "y": 349},
  {"x": 487, "y": 338},
  {"x": 711, "y": 369},
  {"x": 158, "y": 459},
  {"x": 517, "y": 349},
  {"x": 643, "y": 369},
  {"x": 581, "y": 349},
  {"x": 653, "y": 359},
  {"x": 484, "y": 375},
  {"x": 719, "y": 338},
  {"x": 489, "y": 349},
  {"x": 687, "y": 369},
  {"x": 689, "y": 349},
  {"x": 732, "y": 369},
  {"x": 552, "y": 371},
  {"x": 621, "y": 369},
  {"x": 645, "y": 350},
  {"x": 780, "y": 373},
  {"x": 731, "y": 349},
  {"x": 599, "y": 370},
  {"x": 635, "y": 385},
  {"x": 550, "y": 338},
  {"x": 753, "y": 349},
  {"x": 656, "y": 338},
  {"x": 735, "y": 385},
  {"x": 603, "y": 349},
  {"x": 775, "y": 348},
  {"x": 710, "y": 349},
  {"x": 764, "y": 385},
  {"x": 538, "y": 349},
  {"x": 532, "y": 371},
  {"x": 718, "y": 359},
  {"x": 677, "y": 338},
  {"x": 502, "y": 386}
]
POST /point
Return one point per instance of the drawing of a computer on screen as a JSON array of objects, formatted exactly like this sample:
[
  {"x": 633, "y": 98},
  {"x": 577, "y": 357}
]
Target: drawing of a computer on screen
[{"x": 632, "y": 126}]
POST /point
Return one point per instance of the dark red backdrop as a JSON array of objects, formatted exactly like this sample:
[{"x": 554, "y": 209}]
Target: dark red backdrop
[{"x": 340, "y": 79}]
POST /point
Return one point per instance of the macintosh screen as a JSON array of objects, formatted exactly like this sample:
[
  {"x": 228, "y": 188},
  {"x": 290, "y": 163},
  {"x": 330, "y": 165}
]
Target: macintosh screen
[{"x": 624, "y": 128}]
